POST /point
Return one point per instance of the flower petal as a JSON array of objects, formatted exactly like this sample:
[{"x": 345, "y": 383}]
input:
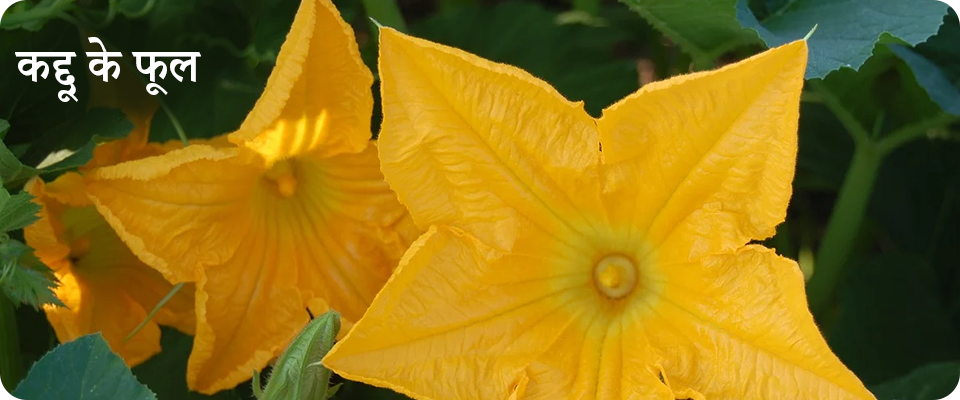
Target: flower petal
[
  {"x": 349, "y": 228},
  {"x": 461, "y": 320},
  {"x": 178, "y": 210},
  {"x": 706, "y": 161},
  {"x": 93, "y": 308},
  {"x": 327, "y": 110},
  {"x": 483, "y": 146},
  {"x": 46, "y": 234},
  {"x": 737, "y": 327},
  {"x": 248, "y": 310}
]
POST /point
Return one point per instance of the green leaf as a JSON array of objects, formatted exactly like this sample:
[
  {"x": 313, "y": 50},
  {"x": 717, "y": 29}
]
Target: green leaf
[
  {"x": 929, "y": 382},
  {"x": 24, "y": 278},
  {"x": 703, "y": 28},
  {"x": 82, "y": 369},
  {"x": 299, "y": 375},
  {"x": 929, "y": 75},
  {"x": 166, "y": 373},
  {"x": 16, "y": 211},
  {"x": 13, "y": 172},
  {"x": 942, "y": 48},
  {"x": 847, "y": 30},
  {"x": 578, "y": 60},
  {"x": 4, "y": 127},
  {"x": 890, "y": 319},
  {"x": 71, "y": 144},
  {"x": 936, "y": 64}
]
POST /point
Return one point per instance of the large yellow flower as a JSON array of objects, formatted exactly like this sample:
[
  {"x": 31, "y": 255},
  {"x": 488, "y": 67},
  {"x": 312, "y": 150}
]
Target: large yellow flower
[
  {"x": 557, "y": 269},
  {"x": 104, "y": 287},
  {"x": 291, "y": 212}
]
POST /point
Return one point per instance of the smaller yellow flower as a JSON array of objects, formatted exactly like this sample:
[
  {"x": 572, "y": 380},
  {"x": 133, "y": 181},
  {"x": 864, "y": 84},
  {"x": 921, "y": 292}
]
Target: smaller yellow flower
[
  {"x": 288, "y": 213},
  {"x": 104, "y": 286}
]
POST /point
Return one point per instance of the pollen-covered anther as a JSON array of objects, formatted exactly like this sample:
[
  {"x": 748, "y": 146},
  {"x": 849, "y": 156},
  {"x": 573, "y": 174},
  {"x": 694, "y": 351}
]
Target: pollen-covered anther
[{"x": 615, "y": 276}]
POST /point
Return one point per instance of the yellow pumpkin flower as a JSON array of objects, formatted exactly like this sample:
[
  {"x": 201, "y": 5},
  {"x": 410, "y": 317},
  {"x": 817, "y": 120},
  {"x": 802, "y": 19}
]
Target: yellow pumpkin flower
[
  {"x": 104, "y": 287},
  {"x": 291, "y": 210},
  {"x": 557, "y": 269}
]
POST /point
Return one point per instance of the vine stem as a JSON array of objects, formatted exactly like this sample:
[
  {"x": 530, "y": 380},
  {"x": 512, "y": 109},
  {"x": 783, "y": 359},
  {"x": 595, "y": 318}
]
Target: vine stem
[
  {"x": 11, "y": 361},
  {"x": 904, "y": 135},
  {"x": 844, "y": 225},
  {"x": 386, "y": 13},
  {"x": 833, "y": 255}
]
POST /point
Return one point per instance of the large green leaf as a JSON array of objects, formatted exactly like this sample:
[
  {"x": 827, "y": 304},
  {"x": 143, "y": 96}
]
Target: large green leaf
[
  {"x": 936, "y": 64},
  {"x": 847, "y": 30},
  {"x": 942, "y": 49},
  {"x": 84, "y": 369},
  {"x": 929, "y": 382},
  {"x": 24, "y": 278},
  {"x": 703, "y": 28},
  {"x": 929, "y": 75}
]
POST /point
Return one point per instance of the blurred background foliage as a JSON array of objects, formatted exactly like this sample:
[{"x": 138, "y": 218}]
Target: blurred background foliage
[{"x": 875, "y": 216}]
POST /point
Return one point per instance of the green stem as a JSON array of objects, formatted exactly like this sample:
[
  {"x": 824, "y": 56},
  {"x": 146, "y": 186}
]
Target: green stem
[
  {"x": 386, "y": 13},
  {"x": 11, "y": 362},
  {"x": 155, "y": 310},
  {"x": 844, "y": 225},
  {"x": 591, "y": 7},
  {"x": 911, "y": 132},
  {"x": 173, "y": 121}
]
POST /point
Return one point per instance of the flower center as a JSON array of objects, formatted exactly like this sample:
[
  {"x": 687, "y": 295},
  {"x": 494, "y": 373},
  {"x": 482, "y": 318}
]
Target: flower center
[
  {"x": 283, "y": 176},
  {"x": 79, "y": 248},
  {"x": 615, "y": 276}
]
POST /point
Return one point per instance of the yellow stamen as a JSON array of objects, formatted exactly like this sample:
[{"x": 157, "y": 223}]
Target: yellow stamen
[
  {"x": 287, "y": 185},
  {"x": 283, "y": 175}
]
